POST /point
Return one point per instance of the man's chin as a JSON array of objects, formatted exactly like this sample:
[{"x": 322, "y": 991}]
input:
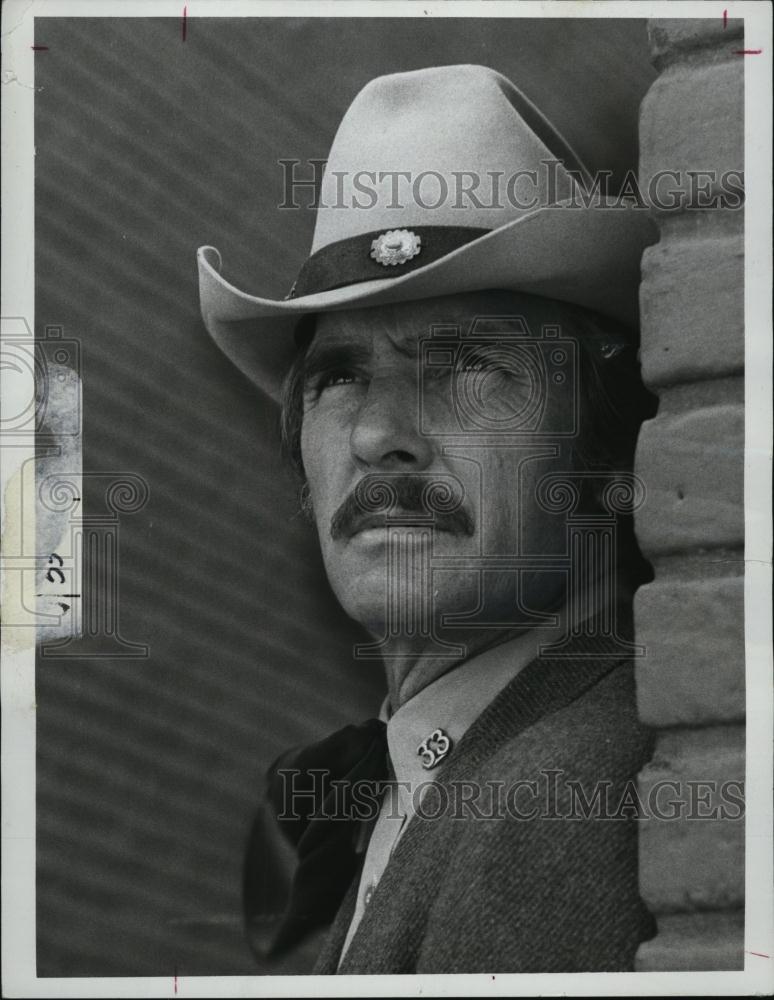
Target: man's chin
[{"x": 407, "y": 607}]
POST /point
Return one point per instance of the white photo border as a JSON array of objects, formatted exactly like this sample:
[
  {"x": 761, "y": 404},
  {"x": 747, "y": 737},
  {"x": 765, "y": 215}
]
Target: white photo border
[{"x": 18, "y": 657}]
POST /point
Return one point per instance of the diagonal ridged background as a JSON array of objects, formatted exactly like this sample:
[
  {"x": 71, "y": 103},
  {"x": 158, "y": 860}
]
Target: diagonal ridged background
[{"x": 146, "y": 147}]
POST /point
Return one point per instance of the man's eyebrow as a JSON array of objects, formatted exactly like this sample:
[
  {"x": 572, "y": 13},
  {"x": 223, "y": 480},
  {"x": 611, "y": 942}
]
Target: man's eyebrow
[{"x": 326, "y": 355}]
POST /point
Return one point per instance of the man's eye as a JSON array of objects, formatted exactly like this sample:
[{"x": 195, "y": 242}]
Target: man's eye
[
  {"x": 331, "y": 379},
  {"x": 475, "y": 363},
  {"x": 502, "y": 366},
  {"x": 342, "y": 376}
]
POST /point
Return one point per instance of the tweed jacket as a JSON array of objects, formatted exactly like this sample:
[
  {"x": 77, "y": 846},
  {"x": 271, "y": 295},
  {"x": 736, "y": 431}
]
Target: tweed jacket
[{"x": 545, "y": 877}]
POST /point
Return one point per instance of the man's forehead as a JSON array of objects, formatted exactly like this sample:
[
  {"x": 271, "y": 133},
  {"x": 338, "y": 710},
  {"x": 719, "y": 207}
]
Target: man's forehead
[
  {"x": 405, "y": 324},
  {"x": 366, "y": 328}
]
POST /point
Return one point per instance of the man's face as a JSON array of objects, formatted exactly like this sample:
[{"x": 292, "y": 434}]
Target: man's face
[{"x": 386, "y": 406}]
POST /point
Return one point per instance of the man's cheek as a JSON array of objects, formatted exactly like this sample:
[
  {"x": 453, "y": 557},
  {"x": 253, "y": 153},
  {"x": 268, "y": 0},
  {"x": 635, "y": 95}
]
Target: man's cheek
[
  {"x": 322, "y": 493},
  {"x": 320, "y": 502}
]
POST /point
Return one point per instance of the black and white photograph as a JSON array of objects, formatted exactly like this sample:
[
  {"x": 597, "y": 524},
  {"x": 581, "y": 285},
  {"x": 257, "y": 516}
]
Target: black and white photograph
[{"x": 386, "y": 498}]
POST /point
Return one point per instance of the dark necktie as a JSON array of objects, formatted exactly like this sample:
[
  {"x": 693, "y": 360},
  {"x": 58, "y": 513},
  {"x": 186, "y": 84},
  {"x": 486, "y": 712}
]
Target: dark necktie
[{"x": 316, "y": 799}]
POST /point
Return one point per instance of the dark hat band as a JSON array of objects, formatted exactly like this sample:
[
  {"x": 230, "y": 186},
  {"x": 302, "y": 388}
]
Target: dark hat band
[{"x": 347, "y": 262}]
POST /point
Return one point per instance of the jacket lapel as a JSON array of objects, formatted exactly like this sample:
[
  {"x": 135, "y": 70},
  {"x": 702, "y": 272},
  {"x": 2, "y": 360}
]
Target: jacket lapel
[{"x": 328, "y": 959}]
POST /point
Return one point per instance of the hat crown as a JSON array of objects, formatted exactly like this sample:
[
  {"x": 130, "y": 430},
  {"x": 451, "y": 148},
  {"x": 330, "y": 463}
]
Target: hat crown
[{"x": 439, "y": 147}]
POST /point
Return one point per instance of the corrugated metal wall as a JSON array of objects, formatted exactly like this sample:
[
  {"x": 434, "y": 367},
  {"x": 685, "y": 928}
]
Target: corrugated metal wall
[{"x": 146, "y": 147}]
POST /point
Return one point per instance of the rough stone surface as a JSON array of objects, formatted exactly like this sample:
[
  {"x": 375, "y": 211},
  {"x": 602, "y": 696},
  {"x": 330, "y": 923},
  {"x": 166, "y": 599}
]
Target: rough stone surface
[
  {"x": 691, "y": 617},
  {"x": 690, "y": 396},
  {"x": 694, "y": 861},
  {"x": 694, "y": 942},
  {"x": 705, "y": 565},
  {"x": 693, "y": 633},
  {"x": 692, "y": 464},
  {"x": 692, "y": 118},
  {"x": 692, "y": 308},
  {"x": 679, "y": 37}
]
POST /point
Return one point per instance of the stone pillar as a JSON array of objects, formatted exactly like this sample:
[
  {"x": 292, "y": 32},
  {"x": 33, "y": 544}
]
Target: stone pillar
[{"x": 690, "y": 456}]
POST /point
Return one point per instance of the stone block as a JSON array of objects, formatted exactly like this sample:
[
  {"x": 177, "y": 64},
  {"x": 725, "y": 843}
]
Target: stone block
[
  {"x": 692, "y": 841},
  {"x": 681, "y": 37},
  {"x": 695, "y": 942},
  {"x": 693, "y": 671},
  {"x": 692, "y": 307},
  {"x": 692, "y": 119},
  {"x": 692, "y": 465}
]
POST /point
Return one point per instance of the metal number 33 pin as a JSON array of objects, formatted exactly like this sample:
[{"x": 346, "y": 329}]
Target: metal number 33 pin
[{"x": 434, "y": 748}]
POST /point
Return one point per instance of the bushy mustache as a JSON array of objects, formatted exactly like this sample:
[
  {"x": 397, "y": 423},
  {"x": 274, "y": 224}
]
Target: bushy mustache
[{"x": 437, "y": 500}]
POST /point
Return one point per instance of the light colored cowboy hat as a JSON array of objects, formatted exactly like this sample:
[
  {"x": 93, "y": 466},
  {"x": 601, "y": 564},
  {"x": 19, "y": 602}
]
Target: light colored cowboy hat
[{"x": 395, "y": 245}]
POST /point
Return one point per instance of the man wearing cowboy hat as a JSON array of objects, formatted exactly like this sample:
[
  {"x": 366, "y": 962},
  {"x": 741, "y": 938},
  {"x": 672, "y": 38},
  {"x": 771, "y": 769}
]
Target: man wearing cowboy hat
[{"x": 460, "y": 397}]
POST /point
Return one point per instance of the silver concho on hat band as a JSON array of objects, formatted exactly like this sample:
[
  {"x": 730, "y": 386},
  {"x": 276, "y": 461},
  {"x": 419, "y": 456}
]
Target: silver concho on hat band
[{"x": 396, "y": 246}]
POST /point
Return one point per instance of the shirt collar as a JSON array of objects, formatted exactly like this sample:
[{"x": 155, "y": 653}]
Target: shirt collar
[{"x": 453, "y": 701}]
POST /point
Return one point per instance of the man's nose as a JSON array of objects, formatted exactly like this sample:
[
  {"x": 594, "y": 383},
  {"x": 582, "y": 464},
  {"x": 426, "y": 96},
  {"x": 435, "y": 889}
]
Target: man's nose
[{"x": 386, "y": 433}]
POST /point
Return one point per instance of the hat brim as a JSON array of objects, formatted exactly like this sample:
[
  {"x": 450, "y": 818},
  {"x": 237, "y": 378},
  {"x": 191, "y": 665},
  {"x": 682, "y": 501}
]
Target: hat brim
[{"x": 586, "y": 256}]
